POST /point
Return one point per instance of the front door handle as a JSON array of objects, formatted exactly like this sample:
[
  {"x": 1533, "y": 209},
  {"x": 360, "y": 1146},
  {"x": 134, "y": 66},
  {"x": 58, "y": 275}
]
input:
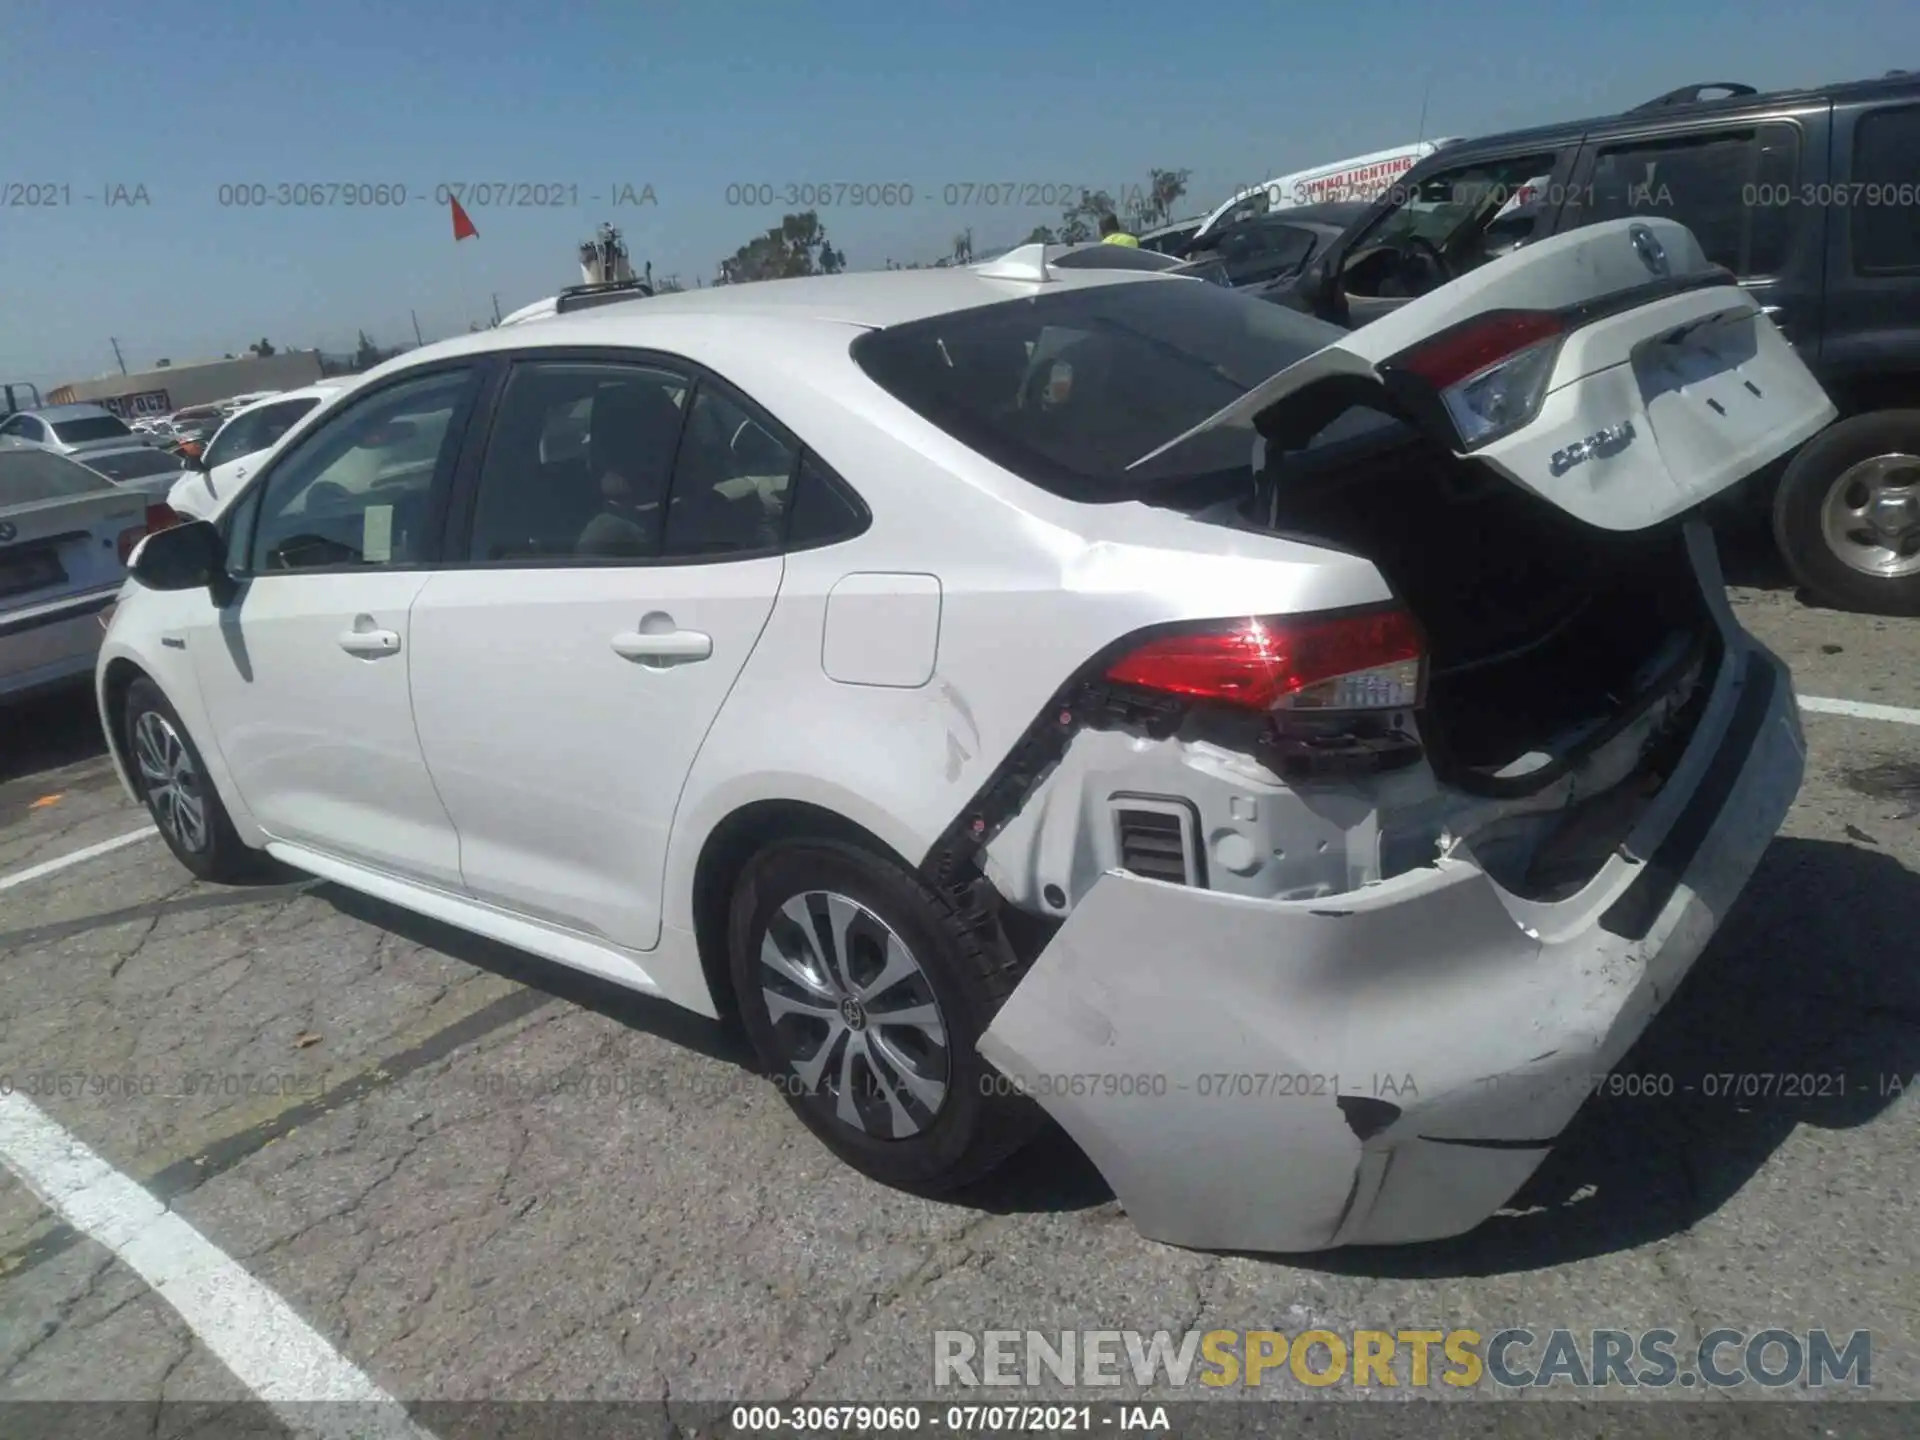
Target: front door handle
[
  {"x": 670, "y": 647},
  {"x": 370, "y": 643}
]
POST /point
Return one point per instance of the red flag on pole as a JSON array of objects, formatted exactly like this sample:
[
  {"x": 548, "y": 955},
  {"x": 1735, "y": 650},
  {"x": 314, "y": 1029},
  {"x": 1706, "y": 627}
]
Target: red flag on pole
[{"x": 462, "y": 226}]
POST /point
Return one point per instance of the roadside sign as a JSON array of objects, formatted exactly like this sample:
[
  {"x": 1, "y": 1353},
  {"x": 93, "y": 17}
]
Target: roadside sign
[{"x": 146, "y": 402}]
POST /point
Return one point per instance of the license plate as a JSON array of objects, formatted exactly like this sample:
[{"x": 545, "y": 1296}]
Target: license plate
[{"x": 34, "y": 570}]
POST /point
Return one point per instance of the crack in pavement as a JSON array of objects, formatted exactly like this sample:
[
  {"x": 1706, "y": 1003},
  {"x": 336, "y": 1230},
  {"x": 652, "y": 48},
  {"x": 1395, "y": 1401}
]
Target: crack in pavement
[
  {"x": 183, "y": 1176},
  {"x": 61, "y": 1315}
]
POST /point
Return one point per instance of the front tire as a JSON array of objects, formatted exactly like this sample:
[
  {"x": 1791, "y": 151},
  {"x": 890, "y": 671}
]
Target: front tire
[
  {"x": 865, "y": 1000},
  {"x": 172, "y": 780},
  {"x": 1847, "y": 514}
]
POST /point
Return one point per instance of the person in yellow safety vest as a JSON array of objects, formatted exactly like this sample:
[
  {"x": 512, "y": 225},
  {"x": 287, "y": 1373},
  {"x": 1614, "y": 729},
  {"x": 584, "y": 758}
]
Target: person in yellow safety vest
[{"x": 1112, "y": 234}]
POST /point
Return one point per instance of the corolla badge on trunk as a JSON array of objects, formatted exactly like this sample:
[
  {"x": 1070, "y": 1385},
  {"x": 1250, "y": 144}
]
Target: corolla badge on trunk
[
  {"x": 1602, "y": 443},
  {"x": 1651, "y": 252}
]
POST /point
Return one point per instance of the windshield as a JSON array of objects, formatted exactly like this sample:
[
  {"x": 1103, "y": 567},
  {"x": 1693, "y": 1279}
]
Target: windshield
[
  {"x": 1067, "y": 390},
  {"x": 90, "y": 427},
  {"x": 30, "y": 475},
  {"x": 133, "y": 464}
]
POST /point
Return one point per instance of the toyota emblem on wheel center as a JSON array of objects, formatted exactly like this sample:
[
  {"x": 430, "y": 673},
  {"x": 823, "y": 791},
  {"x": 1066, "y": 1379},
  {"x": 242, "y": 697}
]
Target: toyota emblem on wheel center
[{"x": 1652, "y": 253}]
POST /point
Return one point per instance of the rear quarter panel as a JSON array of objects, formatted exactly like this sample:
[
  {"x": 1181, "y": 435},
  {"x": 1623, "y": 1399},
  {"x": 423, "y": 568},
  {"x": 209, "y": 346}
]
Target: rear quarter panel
[{"x": 1030, "y": 588}]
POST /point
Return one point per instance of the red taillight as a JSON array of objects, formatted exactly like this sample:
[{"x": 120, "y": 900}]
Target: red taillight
[
  {"x": 1350, "y": 662},
  {"x": 159, "y": 517},
  {"x": 1469, "y": 348}
]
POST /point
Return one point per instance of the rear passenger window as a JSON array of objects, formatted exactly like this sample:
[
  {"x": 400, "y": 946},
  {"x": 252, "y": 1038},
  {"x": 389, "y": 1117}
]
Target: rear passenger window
[
  {"x": 1736, "y": 191},
  {"x": 1886, "y": 176},
  {"x": 730, "y": 484},
  {"x": 822, "y": 511}
]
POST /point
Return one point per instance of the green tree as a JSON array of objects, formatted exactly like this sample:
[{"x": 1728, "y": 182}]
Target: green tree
[
  {"x": 1041, "y": 235},
  {"x": 797, "y": 246},
  {"x": 366, "y": 354},
  {"x": 1080, "y": 221},
  {"x": 1164, "y": 189},
  {"x": 262, "y": 348}
]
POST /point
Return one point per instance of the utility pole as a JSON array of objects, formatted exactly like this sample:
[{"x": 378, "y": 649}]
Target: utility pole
[
  {"x": 116, "y": 354},
  {"x": 496, "y": 309},
  {"x": 416, "y": 328}
]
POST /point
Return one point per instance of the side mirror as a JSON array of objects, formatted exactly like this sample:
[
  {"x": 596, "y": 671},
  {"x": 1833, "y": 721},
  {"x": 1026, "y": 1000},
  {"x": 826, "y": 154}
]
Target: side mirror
[{"x": 181, "y": 557}]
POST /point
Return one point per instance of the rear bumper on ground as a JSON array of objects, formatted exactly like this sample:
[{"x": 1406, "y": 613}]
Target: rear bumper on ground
[{"x": 1388, "y": 1065}]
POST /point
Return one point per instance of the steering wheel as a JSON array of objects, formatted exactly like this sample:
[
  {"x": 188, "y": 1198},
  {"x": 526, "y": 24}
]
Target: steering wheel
[{"x": 1428, "y": 254}]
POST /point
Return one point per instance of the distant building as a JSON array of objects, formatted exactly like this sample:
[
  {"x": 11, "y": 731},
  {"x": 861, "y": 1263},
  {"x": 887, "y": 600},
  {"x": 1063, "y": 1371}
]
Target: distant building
[{"x": 167, "y": 388}]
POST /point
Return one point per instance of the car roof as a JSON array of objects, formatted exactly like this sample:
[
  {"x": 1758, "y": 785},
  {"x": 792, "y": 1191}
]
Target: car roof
[
  {"x": 78, "y": 411},
  {"x": 319, "y": 390},
  {"x": 1662, "y": 109},
  {"x": 867, "y": 300}
]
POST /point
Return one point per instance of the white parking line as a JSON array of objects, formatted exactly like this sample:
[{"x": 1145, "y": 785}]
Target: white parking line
[
  {"x": 1860, "y": 710},
  {"x": 73, "y": 857},
  {"x": 252, "y": 1331}
]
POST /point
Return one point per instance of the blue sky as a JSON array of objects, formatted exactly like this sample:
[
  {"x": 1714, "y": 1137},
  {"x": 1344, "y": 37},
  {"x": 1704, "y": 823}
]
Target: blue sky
[{"x": 691, "y": 97}]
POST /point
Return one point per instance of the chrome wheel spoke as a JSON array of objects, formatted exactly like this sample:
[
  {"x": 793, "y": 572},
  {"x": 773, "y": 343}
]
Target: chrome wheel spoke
[
  {"x": 780, "y": 1005},
  {"x": 190, "y": 816},
  {"x": 800, "y": 971},
  {"x": 836, "y": 940},
  {"x": 809, "y": 1070},
  {"x": 899, "y": 966},
  {"x": 924, "y": 1088},
  {"x": 149, "y": 744},
  {"x": 846, "y": 1111},
  {"x": 883, "y": 1079},
  {"x": 919, "y": 1017}
]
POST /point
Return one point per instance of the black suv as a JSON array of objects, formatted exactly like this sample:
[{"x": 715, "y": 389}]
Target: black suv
[{"x": 1810, "y": 197}]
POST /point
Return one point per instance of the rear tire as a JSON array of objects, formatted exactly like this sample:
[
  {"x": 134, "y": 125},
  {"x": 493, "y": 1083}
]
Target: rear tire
[
  {"x": 172, "y": 779},
  {"x": 1847, "y": 514},
  {"x": 827, "y": 942}
]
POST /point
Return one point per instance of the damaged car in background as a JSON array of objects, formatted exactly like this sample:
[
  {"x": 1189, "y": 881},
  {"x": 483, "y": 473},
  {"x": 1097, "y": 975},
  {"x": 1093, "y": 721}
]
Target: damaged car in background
[{"x": 1291, "y": 759}]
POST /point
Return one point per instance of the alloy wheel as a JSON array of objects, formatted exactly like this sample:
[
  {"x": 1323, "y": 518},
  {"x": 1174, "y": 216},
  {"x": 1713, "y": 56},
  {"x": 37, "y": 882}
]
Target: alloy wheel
[
  {"x": 172, "y": 784},
  {"x": 1871, "y": 517},
  {"x": 855, "y": 1014}
]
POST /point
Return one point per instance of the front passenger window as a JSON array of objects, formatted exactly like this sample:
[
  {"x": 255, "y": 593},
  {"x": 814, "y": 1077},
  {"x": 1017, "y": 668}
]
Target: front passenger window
[
  {"x": 357, "y": 490},
  {"x": 577, "y": 463}
]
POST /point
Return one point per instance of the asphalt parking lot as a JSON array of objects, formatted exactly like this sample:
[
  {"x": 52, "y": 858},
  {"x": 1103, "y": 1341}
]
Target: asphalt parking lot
[{"x": 480, "y": 1177}]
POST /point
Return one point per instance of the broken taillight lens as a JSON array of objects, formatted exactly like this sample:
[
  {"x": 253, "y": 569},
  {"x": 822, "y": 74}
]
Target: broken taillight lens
[
  {"x": 1489, "y": 373},
  {"x": 1307, "y": 663}
]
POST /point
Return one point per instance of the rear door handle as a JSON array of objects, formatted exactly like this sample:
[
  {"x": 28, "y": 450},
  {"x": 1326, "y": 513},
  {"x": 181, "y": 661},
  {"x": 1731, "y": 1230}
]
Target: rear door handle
[
  {"x": 370, "y": 643},
  {"x": 671, "y": 647}
]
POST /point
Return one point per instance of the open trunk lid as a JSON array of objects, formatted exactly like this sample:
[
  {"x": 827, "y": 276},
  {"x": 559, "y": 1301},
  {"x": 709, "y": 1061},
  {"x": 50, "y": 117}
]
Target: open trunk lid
[{"x": 1664, "y": 382}]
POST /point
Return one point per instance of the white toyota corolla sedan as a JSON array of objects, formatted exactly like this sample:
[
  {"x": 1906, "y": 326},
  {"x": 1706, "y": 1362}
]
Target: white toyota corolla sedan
[{"x": 1296, "y": 761}]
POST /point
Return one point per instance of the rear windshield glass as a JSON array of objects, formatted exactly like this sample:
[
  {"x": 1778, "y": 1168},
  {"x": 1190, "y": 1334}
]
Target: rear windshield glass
[
  {"x": 132, "y": 464},
  {"x": 1068, "y": 389},
  {"x": 30, "y": 475},
  {"x": 92, "y": 427}
]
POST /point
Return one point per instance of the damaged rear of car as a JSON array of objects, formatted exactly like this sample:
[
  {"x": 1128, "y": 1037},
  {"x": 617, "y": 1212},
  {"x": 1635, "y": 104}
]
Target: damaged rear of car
[{"x": 1337, "y": 910}]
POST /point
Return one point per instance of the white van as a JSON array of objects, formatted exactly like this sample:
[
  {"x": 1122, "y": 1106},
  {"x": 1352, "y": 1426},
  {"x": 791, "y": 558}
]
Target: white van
[{"x": 1363, "y": 177}]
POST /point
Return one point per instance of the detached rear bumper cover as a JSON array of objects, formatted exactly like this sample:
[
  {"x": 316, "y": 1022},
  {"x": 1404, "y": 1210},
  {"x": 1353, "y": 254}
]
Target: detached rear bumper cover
[{"x": 1412, "y": 1049}]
